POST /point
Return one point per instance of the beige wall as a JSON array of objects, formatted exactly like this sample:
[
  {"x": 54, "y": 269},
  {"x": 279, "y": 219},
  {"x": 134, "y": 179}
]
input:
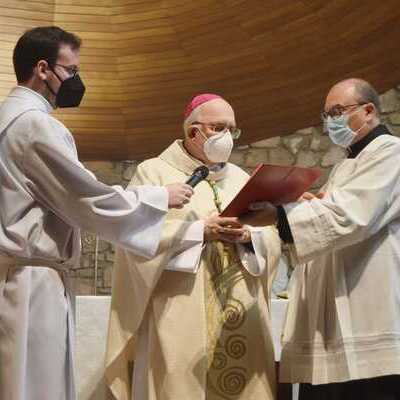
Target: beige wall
[{"x": 306, "y": 147}]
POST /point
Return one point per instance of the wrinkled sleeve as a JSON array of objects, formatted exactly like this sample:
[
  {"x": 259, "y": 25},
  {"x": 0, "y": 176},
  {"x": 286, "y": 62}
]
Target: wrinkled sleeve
[
  {"x": 366, "y": 201},
  {"x": 188, "y": 242},
  {"x": 131, "y": 219},
  {"x": 266, "y": 254}
]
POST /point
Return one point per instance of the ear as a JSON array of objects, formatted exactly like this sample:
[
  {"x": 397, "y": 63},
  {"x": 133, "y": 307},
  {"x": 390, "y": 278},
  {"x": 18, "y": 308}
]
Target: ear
[
  {"x": 41, "y": 68},
  {"x": 370, "y": 109},
  {"x": 192, "y": 132}
]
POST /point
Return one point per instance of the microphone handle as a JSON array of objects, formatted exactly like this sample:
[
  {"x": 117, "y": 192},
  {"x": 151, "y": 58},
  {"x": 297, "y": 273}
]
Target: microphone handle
[{"x": 194, "y": 180}]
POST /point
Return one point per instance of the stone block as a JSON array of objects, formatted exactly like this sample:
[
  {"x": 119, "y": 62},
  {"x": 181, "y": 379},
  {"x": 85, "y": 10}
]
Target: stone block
[
  {"x": 237, "y": 157},
  {"x": 101, "y": 291},
  {"x": 320, "y": 142},
  {"x": 85, "y": 262},
  {"x": 390, "y": 101},
  {"x": 82, "y": 287},
  {"x": 267, "y": 143},
  {"x": 305, "y": 131},
  {"x": 88, "y": 242},
  {"x": 395, "y": 118},
  {"x": 87, "y": 272},
  {"x": 101, "y": 256},
  {"x": 128, "y": 172},
  {"x": 96, "y": 166},
  {"x": 294, "y": 143},
  {"x": 110, "y": 256},
  {"x": 395, "y": 130},
  {"x": 307, "y": 158},
  {"x": 103, "y": 246},
  {"x": 255, "y": 156},
  {"x": 107, "y": 277},
  {"x": 281, "y": 156},
  {"x": 107, "y": 172}
]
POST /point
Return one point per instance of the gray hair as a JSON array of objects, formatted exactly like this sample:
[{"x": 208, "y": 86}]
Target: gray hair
[
  {"x": 190, "y": 119},
  {"x": 366, "y": 93}
]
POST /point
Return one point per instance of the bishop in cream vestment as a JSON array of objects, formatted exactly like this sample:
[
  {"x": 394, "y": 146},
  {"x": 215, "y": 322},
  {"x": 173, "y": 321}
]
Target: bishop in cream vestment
[{"x": 193, "y": 322}]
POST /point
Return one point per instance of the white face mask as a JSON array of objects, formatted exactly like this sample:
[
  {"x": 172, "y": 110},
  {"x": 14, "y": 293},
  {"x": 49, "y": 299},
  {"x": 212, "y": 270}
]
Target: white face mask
[{"x": 218, "y": 148}]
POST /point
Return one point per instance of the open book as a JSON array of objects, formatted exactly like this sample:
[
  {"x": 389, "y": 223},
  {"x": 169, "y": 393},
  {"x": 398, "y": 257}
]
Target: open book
[{"x": 276, "y": 184}]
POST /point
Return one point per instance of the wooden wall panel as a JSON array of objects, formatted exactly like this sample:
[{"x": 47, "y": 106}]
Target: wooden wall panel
[
  {"x": 15, "y": 18},
  {"x": 99, "y": 124},
  {"x": 142, "y": 60}
]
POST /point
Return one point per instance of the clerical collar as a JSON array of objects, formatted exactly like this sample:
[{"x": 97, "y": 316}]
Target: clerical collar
[{"x": 355, "y": 149}]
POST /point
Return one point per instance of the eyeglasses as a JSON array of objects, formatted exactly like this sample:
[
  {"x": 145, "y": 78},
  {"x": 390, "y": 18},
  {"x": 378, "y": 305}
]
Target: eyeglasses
[
  {"x": 235, "y": 132},
  {"x": 337, "y": 110},
  {"x": 72, "y": 70}
]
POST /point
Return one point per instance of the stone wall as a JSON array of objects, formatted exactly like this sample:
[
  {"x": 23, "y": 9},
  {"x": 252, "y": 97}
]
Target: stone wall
[{"x": 307, "y": 147}]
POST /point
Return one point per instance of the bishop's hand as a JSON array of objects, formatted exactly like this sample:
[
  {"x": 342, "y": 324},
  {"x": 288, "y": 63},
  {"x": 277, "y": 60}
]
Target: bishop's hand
[
  {"x": 306, "y": 196},
  {"x": 227, "y": 229}
]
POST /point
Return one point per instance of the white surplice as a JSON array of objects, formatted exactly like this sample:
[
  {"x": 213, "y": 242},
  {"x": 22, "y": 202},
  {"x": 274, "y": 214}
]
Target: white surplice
[
  {"x": 343, "y": 321},
  {"x": 46, "y": 197}
]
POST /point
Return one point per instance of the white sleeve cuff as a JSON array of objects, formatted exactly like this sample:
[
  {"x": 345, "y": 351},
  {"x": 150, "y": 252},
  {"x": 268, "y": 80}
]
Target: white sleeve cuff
[
  {"x": 154, "y": 196},
  {"x": 255, "y": 263},
  {"x": 186, "y": 257}
]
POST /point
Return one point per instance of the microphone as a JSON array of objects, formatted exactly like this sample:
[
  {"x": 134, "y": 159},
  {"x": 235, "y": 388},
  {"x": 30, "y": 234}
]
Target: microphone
[{"x": 199, "y": 174}]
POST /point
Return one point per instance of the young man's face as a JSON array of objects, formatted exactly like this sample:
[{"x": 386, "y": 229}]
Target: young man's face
[{"x": 67, "y": 64}]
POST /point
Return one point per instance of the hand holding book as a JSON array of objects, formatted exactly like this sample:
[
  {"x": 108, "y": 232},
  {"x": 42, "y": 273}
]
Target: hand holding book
[{"x": 274, "y": 184}]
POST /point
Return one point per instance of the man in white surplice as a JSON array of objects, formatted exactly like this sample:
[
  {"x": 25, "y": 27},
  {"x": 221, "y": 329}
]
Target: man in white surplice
[
  {"x": 46, "y": 196},
  {"x": 342, "y": 334},
  {"x": 195, "y": 318}
]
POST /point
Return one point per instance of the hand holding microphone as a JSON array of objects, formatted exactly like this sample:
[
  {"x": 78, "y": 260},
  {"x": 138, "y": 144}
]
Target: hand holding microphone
[{"x": 179, "y": 194}]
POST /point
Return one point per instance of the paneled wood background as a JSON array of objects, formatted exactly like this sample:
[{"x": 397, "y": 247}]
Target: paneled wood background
[{"x": 142, "y": 60}]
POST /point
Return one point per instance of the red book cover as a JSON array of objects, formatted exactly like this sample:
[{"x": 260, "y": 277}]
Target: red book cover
[{"x": 276, "y": 184}]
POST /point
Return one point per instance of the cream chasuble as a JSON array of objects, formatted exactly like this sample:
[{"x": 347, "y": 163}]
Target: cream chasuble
[{"x": 195, "y": 319}]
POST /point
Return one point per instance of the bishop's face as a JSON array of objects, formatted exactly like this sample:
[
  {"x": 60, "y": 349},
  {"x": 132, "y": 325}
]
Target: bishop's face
[{"x": 214, "y": 126}]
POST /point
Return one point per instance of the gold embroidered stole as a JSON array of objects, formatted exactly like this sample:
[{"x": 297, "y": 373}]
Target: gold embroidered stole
[{"x": 226, "y": 318}]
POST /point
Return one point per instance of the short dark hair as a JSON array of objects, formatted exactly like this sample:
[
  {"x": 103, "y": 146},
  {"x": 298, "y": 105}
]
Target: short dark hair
[
  {"x": 367, "y": 94},
  {"x": 37, "y": 44}
]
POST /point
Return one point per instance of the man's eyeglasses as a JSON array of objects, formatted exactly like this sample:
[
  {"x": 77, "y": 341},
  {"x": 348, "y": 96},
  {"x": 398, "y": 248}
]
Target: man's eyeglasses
[
  {"x": 72, "y": 70},
  {"x": 235, "y": 132},
  {"x": 337, "y": 110}
]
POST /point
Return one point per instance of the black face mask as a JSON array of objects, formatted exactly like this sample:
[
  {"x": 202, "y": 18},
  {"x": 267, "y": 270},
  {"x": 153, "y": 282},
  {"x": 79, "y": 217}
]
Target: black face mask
[{"x": 70, "y": 93}]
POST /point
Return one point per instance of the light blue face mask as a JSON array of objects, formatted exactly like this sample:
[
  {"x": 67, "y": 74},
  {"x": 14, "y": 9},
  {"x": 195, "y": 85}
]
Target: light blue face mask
[{"x": 339, "y": 131}]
